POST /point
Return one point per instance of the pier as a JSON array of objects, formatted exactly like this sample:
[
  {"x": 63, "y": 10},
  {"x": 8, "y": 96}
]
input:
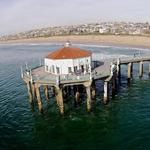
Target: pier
[{"x": 109, "y": 72}]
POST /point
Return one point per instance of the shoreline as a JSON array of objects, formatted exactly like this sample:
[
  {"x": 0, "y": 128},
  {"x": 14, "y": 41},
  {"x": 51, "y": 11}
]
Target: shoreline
[{"x": 110, "y": 40}]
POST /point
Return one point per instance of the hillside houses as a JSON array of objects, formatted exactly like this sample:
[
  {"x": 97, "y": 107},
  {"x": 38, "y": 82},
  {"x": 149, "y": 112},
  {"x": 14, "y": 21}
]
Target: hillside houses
[{"x": 114, "y": 28}]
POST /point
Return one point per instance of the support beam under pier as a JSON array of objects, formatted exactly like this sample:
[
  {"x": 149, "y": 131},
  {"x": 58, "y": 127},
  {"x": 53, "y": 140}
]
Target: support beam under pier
[
  {"x": 106, "y": 92},
  {"x": 129, "y": 71},
  {"x": 140, "y": 69},
  {"x": 46, "y": 92},
  {"x": 118, "y": 69},
  {"x": 114, "y": 85},
  {"x": 33, "y": 90},
  {"x": 88, "y": 92},
  {"x": 29, "y": 86},
  {"x": 39, "y": 100},
  {"x": 77, "y": 94},
  {"x": 59, "y": 99},
  {"x": 93, "y": 89}
]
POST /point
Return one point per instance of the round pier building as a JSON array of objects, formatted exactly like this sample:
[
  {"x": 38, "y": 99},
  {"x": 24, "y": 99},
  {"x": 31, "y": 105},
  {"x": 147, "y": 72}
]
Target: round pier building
[{"x": 68, "y": 60}]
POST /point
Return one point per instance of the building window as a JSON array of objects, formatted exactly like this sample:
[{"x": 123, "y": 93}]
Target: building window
[
  {"x": 69, "y": 70},
  {"x": 57, "y": 70},
  {"x": 75, "y": 69},
  {"x": 53, "y": 69}
]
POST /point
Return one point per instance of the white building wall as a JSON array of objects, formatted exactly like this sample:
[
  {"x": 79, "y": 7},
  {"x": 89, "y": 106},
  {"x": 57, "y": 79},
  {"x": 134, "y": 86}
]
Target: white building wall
[{"x": 63, "y": 64}]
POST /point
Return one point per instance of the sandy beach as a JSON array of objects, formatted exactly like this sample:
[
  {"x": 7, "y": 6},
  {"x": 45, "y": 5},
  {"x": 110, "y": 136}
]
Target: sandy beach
[{"x": 133, "y": 41}]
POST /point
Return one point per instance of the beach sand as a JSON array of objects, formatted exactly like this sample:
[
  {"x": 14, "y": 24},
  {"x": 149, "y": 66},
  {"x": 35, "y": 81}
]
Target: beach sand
[{"x": 133, "y": 41}]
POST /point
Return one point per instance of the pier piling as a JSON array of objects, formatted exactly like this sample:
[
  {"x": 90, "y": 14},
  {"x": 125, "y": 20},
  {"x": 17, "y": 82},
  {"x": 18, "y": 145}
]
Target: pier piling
[
  {"x": 77, "y": 94},
  {"x": 88, "y": 92},
  {"x": 106, "y": 92},
  {"x": 93, "y": 89},
  {"x": 39, "y": 100},
  {"x": 140, "y": 69},
  {"x": 114, "y": 85},
  {"x": 30, "y": 92},
  {"x": 33, "y": 90},
  {"x": 46, "y": 92},
  {"x": 59, "y": 99},
  {"x": 118, "y": 69},
  {"x": 129, "y": 71}
]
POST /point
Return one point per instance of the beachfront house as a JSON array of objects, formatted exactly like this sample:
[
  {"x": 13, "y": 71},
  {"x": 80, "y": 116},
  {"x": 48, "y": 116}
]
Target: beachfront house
[{"x": 68, "y": 60}]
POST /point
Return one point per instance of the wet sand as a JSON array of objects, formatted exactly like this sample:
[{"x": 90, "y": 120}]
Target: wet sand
[{"x": 133, "y": 41}]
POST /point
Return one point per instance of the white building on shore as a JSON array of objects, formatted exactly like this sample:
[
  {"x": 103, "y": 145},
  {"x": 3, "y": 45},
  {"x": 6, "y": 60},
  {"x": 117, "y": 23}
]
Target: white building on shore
[{"x": 68, "y": 60}]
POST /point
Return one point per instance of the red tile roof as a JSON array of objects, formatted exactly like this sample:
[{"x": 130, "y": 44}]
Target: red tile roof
[{"x": 68, "y": 53}]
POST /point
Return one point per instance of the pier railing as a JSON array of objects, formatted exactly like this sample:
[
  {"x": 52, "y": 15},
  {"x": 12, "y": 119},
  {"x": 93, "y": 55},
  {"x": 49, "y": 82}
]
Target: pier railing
[
  {"x": 70, "y": 78},
  {"x": 65, "y": 78},
  {"x": 57, "y": 78}
]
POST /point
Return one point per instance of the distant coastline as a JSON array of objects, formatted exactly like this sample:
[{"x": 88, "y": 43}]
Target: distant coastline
[{"x": 121, "y": 40}]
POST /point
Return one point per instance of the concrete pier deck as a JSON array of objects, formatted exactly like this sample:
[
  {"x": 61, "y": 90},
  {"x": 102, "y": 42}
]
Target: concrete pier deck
[{"x": 39, "y": 75}]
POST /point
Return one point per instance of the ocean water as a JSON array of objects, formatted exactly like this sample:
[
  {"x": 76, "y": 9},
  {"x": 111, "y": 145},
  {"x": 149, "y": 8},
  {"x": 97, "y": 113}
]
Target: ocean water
[{"x": 123, "y": 124}]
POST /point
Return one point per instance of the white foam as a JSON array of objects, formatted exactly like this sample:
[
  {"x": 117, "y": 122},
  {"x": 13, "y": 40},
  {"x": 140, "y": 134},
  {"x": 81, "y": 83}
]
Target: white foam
[
  {"x": 102, "y": 56},
  {"x": 113, "y": 46}
]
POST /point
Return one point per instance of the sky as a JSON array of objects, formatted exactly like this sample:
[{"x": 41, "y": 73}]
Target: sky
[{"x": 23, "y": 15}]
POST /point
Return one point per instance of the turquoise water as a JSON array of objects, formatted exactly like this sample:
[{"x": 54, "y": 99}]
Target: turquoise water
[{"x": 123, "y": 124}]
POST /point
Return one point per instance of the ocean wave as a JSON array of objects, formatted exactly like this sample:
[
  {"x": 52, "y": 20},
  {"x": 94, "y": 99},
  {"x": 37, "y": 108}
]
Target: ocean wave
[{"x": 113, "y": 46}]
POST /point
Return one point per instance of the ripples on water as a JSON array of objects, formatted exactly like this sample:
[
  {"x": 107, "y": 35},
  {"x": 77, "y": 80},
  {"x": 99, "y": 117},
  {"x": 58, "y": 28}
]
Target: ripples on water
[{"x": 123, "y": 124}]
